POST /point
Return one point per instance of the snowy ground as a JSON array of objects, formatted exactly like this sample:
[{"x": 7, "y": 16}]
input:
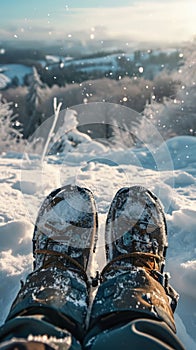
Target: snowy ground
[
  {"x": 24, "y": 183},
  {"x": 104, "y": 64},
  {"x": 11, "y": 71}
]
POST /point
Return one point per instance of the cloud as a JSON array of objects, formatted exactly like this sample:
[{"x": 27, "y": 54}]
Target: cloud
[{"x": 143, "y": 21}]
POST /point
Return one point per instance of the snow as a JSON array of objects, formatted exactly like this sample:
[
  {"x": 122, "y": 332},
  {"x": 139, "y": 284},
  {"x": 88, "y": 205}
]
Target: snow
[
  {"x": 12, "y": 70},
  {"x": 109, "y": 63},
  {"x": 24, "y": 183},
  {"x": 4, "y": 80},
  {"x": 103, "y": 63},
  {"x": 52, "y": 59},
  {"x": 98, "y": 63}
]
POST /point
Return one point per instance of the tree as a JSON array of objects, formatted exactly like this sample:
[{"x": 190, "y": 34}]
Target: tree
[
  {"x": 35, "y": 96},
  {"x": 171, "y": 117},
  {"x": 10, "y": 128},
  {"x": 175, "y": 116}
]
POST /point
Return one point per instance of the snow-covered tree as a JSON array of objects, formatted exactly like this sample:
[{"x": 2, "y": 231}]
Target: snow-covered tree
[
  {"x": 36, "y": 94},
  {"x": 187, "y": 72},
  {"x": 170, "y": 118},
  {"x": 122, "y": 136},
  {"x": 68, "y": 137},
  {"x": 175, "y": 116},
  {"x": 64, "y": 137},
  {"x": 10, "y": 131}
]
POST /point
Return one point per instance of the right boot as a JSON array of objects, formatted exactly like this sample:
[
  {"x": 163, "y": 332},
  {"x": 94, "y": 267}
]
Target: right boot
[
  {"x": 63, "y": 242},
  {"x": 133, "y": 285}
]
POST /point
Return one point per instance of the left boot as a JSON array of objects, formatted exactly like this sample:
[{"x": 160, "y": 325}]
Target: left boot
[
  {"x": 133, "y": 285},
  {"x": 64, "y": 239}
]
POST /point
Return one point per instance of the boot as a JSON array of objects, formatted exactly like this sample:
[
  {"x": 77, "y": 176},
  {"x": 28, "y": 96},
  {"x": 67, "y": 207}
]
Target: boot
[
  {"x": 64, "y": 238},
  {"x": 133, "y": 285}
]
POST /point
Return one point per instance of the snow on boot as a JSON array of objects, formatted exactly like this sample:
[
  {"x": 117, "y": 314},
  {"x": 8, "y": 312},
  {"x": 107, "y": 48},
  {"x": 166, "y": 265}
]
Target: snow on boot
[
  {"x": 136, "y": 225},
  {"x": 64, "y": 238},
  {"x": 66, "y": 226},
  {"x": 132, "y": 281}
]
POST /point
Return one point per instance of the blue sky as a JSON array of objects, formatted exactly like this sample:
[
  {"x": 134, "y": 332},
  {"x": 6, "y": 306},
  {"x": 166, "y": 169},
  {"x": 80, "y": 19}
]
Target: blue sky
[
  {"x": 157, "y": 20},
  {"x": 22, "y": 8}
]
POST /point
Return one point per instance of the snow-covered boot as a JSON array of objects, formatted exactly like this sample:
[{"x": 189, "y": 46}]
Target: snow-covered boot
[
  {"x": 136, "y": 225},
  {"x": 64, "y": 238},
  {"x": 133, "y": 285}
]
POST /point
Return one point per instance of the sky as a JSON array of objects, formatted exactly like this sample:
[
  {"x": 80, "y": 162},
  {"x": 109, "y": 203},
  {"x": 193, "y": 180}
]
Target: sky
[{"x": 140, "y": 20}]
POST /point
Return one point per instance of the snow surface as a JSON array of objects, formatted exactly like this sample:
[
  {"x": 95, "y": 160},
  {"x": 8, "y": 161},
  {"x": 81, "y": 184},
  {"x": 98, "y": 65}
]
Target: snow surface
[
  {"x": 4, "y": 80},
  {"x": 12, "y": 70},
  {"x": 108, "y": 63},
  {"x": 25, "y": 182}
]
